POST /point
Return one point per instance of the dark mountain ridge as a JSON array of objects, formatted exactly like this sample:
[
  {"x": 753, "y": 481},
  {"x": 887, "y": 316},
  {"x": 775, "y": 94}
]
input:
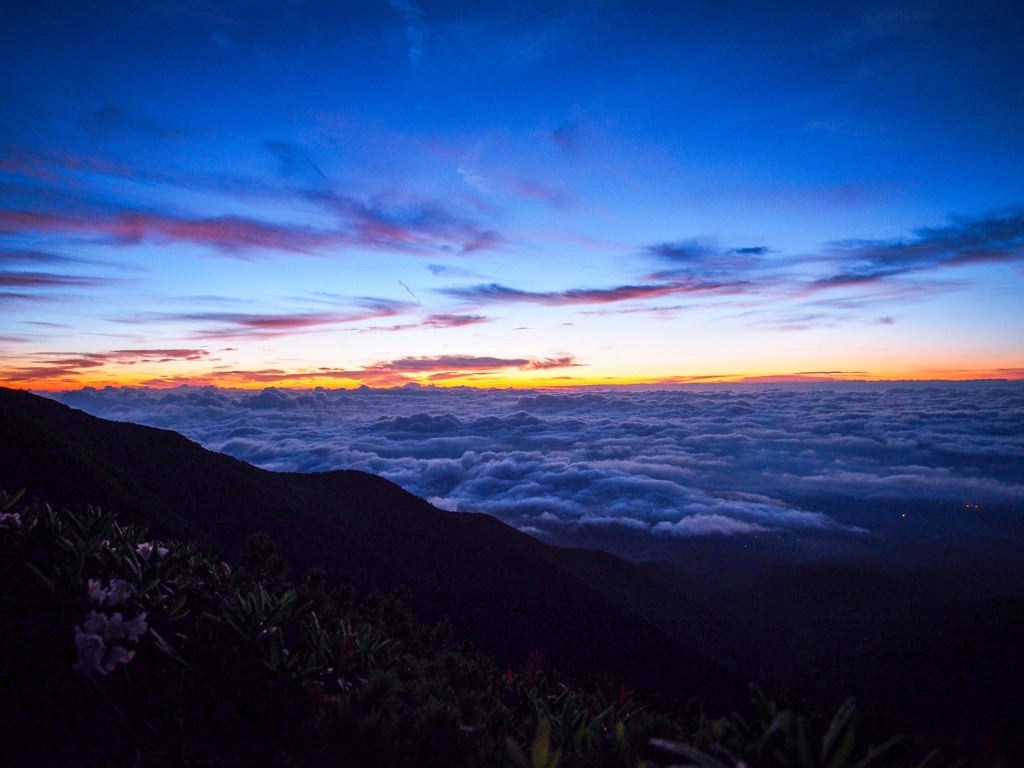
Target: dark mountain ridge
[
  {"x": 945, "y": 659},
  {"x": 584, "y": 610}
]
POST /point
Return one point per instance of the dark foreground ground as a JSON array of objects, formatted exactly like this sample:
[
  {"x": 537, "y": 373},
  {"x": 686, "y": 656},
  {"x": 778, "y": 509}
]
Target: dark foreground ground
[{"x": 927, "y": 627}]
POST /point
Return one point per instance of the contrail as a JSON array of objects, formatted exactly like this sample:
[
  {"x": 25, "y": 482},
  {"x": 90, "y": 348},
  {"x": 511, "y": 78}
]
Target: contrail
[{"x": 409, "y": 290}]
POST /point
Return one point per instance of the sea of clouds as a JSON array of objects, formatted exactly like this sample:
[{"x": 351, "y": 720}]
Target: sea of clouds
[{"x": 673, "y": 463}]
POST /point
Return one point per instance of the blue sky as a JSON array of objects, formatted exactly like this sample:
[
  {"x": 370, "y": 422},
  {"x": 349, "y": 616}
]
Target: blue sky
[{"x": 295, "y": 193}]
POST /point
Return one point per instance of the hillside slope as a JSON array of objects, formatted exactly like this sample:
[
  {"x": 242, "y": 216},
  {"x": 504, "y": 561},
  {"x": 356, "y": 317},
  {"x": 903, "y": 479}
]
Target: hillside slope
[
  {"x": 584, "y": 610},
  {"x": 941, "y": 656}
]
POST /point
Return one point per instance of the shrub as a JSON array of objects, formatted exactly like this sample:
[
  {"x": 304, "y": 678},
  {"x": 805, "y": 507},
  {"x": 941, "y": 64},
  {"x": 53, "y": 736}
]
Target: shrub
[{"x": 123, "y": 649}]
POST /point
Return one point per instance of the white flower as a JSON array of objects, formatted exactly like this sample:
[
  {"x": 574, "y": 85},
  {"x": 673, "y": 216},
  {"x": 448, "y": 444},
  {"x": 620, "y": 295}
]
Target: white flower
[
  {"x": 118, "y": 655},
  {"x": 96, "y": 592},
  {"x": 10, "y": 520},
  {"x": 96, "y": 624},
  {"x": 119, "y": 591},
  {"x": 147, "y": 548},
  {"x": 119, "y": 629},
  {"x": 97, "y": 641},
  {"x": 91, "y": 650}
]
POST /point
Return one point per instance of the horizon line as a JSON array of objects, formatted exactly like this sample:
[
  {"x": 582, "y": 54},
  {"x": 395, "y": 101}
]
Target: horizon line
[{"x": 636, "y": 385}]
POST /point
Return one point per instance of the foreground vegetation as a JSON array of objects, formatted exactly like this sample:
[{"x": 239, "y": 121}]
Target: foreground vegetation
[{"x": 122, "y": 649}]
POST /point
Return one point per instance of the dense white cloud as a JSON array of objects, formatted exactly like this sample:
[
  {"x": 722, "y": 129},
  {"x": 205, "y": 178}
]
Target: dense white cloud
[{"x": 691, "y": 462}]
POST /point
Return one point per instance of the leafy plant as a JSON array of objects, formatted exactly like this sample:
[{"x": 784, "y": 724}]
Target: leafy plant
[
  {"x": 121, "y": 649},
  {"x": 779, "y": 736}
]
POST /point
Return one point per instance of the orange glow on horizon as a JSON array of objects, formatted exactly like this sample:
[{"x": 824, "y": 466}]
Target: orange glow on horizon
[{"x": 256, "y": 380}]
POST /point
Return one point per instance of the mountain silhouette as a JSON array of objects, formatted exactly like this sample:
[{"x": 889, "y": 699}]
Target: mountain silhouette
[
  {"x": 939, "y": 648},
  {"x": 583, "y": 610}
]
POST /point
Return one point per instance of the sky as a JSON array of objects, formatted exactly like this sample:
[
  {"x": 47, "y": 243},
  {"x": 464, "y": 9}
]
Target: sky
[{"x": 257, "y": 193}]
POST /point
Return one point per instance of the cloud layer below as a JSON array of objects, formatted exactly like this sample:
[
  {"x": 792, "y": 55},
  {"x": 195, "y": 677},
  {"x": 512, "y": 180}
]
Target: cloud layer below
[{"x": 748, "y": 460}]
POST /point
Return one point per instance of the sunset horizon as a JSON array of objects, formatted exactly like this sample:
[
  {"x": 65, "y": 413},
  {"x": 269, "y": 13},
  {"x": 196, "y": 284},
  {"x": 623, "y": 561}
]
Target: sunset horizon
[{"x": 303, "y": 382}]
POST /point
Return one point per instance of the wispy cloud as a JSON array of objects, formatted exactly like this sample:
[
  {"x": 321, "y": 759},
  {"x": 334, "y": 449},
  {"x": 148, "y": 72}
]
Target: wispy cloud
[
  {"x": 803, "y": 376},
  {"x": 17, "y": 297},
  {"x": 383, "y": 373},
  {"x": 416, "y": 29},
  {"x": 754, "y": 250},
  {"x": 125, "y": 357},
  {"x": 422, "y": 228},
  {"x": 22, "y": 256},
  {"x": 232, "y": 325},
  {"x": 698, "y": 258},
  {"x": 458, "y": 363},
  {"x": 417, "y": 226},
  {"x": 684, "y": 252},
  {"x": 801, "y": 321},
  {"x": 157, "y": 355},
  {"x": 294, "y": 162},
  {"x": 445, "y": 367},
  {"x": 671, "y": 310},
  {"x": 996, "y": 237},
  {"x": 435, "y": 321},
  {"x": 230, "y": 234},
  {"x": 445, "y": 270},
  {"x": 453, "y": 321},
  {"x": 53, "y": 193},
  {"x": 47, "y": 280},
  {"x": 50, "y": 164},
  {"x": 871, "y": 269},
  {"x": 535, "y": 190},
  {"x": 501, "y": 294},
  {"x": 32, "y": 285},
  {"x": 566, "y": 361},
  {"x": 69, "y": 367},
  {"x": 567, "y": 136},
  {"x": 993, "y": 238},
  {"x": 114, "y": 120}
]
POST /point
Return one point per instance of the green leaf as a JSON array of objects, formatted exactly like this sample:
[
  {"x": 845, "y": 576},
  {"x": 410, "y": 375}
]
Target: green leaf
[
  {"x": 874, "y": 752},
  {"x": 540, "y": 752},
  {"x": 166, "y": 648},
  {"x": 838, "y": 727},
  {"x": 42, "y": 578},
  {"x": 178, "y": 609},
  {"x": 927, "y": 758},
  {"x": 7, "y": 501},
  {"x": 149, "y": 583},
  {"x": 699, "y": 758},
  {"x": 842, "y": 754},
  {"x": 803, "y": 746}
]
